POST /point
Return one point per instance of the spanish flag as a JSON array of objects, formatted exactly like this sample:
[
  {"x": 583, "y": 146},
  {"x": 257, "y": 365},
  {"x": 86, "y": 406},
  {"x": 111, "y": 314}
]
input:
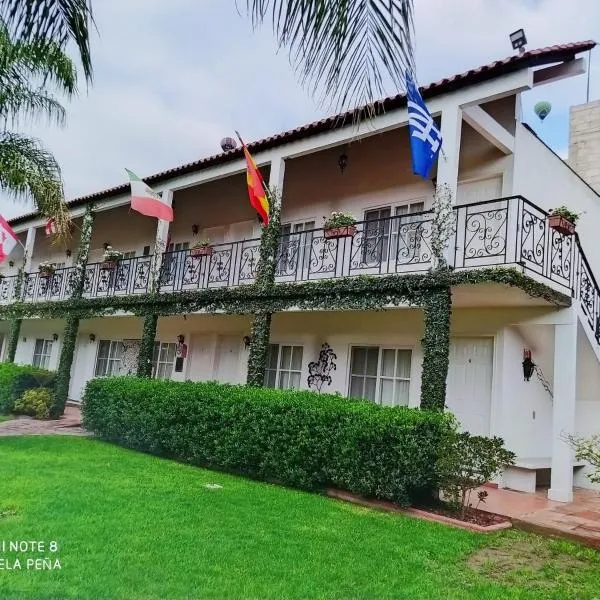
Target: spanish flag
[{"x": 256, "y": 188}]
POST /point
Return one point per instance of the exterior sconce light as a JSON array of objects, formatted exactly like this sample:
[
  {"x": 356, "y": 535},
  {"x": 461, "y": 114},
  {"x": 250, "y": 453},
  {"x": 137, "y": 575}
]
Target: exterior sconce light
[
  {"x": 92, "y": 337},
  {"x": 195, "y": 229},
  {"x": 528, "y": 365},
  {"x": 246, "y": 339},
  {"x": 11, "y": 263},
  {"x": 106, "y": 245},
  {"x": 343, "y": 162},
  {"x": 68, "y": 252},
  {"x": 181, "y": 338},
  {"x": 434, "y": 183},
  {"x": 55, "y": 337}
]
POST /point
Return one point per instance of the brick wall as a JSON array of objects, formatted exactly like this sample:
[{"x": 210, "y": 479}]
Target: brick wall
[{"x": 584, "y": 142}]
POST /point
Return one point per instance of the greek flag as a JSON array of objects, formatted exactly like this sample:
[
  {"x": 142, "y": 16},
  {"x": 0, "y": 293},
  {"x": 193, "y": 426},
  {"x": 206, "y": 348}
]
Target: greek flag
[{"x": 425, "y": 137}]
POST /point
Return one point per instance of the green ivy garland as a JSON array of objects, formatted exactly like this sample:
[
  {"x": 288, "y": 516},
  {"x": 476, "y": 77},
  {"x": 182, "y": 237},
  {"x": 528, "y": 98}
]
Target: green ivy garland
[
  {"x": 13, "y": 339},
  {"x": 259, "y": 349},
  {"x": 67, "y": 350},
  {"x": 146, "y": 353},
  {"x": 437, "y": 307},
  {"x": 63, "y": 373}
]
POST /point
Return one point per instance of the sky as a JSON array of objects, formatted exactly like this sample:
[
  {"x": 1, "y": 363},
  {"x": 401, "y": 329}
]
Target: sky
[{"x": 171, "y": 78}]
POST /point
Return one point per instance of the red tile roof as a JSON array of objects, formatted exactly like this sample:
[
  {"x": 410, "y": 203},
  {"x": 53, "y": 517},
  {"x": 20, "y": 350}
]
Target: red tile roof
[{"x": 531, "y": 58}]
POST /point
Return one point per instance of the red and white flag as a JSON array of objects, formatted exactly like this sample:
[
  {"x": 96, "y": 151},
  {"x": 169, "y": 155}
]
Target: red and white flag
[
  {"x": 8, "y": 239},
  {"x": 51, "y": 228},
  {"x": 146, "y": 201}
]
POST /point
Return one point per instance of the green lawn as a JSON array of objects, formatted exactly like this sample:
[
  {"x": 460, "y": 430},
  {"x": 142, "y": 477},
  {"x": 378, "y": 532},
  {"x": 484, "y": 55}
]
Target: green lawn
[
  {"x": 131, "y": 526},
  {"x": 5, "y": 418}
]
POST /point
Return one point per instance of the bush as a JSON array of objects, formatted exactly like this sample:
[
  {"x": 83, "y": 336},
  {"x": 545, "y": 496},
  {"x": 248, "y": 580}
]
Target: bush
[
  {"x": 16, "y": 379},
  {"x": 587, "y": 449},
  {"x": 467, "y": 461},
  {"x": 298, "y": 438},
  {"x": 35, "y": 402}
]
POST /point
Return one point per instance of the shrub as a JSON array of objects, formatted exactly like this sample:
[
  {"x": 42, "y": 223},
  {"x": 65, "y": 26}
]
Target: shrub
[
  {"x": 467, "y": 461},
  {"x": 587, "y": 449},
  {"x": 298, "y": 438},
  {"x": 16, "y": 379},
  {"x": 35, "y": 402}
]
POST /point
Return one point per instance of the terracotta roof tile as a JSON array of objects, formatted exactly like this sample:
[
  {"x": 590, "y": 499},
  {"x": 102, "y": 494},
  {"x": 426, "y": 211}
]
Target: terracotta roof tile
[{"x": 531, "y": 58}]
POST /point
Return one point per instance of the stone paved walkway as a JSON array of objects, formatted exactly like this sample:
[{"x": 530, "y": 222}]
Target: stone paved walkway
[
  {"x": 578, "y": 520},
  {"x": 68, "y": 424}
]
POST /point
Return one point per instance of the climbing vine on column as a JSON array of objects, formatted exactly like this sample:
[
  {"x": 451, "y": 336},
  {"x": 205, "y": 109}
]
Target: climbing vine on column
[
  {"x": 437, "y": 306},
  {"x": 147, "y": 346},
  {"x": 259, "y": 349},
  {"x": 67, "y": 350},
  {"x": 13, "y": 339}
]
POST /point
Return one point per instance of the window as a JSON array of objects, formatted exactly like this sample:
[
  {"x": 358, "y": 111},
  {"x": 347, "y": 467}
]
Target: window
[
  {"x": 163, "y": 359},
  {"x": 41, "y": 353},
  {"x": 146, "y": 251},
  {"x": 284, "y": 366},
  {"x": 108, "y": 359},
  {"x": 380, "y": 374},
  {"x": 130, "y": 254},
  {"x": 294, "y": 247}
]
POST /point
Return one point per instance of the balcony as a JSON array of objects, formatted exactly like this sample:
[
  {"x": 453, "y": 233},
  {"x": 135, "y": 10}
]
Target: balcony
[{"x": 507, "y": 231}]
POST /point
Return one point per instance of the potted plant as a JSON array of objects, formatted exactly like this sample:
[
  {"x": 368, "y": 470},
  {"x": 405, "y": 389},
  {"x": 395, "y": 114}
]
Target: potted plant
[
  {"x": 202, "y": 248},
  {"x": 46, "y": 269},
  {"x": 111, "y": 258},
  {"x": 563, "y": 220},
  {"x": 339, "y": 225}
]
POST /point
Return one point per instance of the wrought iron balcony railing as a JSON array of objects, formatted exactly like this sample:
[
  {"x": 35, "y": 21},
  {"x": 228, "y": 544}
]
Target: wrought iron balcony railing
[{"x": 505, "y": 231}]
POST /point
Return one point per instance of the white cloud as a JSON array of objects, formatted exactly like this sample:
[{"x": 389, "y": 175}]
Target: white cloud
[{"x": 172, "y": 78}]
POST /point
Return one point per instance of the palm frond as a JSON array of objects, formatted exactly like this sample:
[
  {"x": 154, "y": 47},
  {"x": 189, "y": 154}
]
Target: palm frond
[
  {"x": 56, "y": 21},
  {"x": 28, "y": 171},
  {"x": 17, "y": 102},
  {"x": 346, "y": 49}
]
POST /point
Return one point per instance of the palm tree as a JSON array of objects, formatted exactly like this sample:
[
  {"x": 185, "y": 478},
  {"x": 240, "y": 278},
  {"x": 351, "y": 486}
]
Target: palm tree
[
  {"x": 347, "y": 49},
  {"x": 28, "y": 73}
]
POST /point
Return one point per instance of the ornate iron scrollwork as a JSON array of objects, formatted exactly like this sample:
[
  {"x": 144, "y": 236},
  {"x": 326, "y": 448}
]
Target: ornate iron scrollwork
[{"x": 319, "y": 371}]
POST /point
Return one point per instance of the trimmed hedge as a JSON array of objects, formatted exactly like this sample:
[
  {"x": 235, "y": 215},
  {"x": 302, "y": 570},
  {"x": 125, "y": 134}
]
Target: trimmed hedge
[
  {"x": 297, "y": 438},
  {"x": 16, "y": 379}
]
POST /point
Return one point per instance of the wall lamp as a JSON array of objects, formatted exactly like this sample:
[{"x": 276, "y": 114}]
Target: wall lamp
[
  {"x": 247, "y": 340},
  {"x": 528, "y": 365},
  {"x": 195, "y": 229},
  {"x": 92, "y": 337},
  {"x": 55, "y": 337},
  {"x": 343, "y": 162},
  {"x": 68, "y": 252}
]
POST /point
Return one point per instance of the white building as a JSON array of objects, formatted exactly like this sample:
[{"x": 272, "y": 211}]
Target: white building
[{"x": 503, "y": 181}]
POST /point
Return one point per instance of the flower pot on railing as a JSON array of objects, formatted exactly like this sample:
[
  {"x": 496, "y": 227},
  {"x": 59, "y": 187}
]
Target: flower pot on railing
[
  {"x": 201, "y": 251},
  {"x": 110, "y": 265},
  {"x": 46, "y": 271},
  {"x": 560, "y": 224},
  {"x": 340, "y": 232}
]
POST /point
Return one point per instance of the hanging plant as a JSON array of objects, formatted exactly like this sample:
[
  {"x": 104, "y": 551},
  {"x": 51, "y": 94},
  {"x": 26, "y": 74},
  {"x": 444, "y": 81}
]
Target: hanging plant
[
  {"x": 46, "y": 269},
  {"x": 202, "y": 248},
  {"x": 111, "y": 258},
  {"x": 339, "y": 225},
  {"x": 563, "y": 220}
]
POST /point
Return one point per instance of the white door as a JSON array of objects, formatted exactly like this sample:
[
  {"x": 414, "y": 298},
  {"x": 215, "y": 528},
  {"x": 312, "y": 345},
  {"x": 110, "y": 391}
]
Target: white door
[
  {"x": 469, "y": 384},
  {"x": 228, "y": 359}
]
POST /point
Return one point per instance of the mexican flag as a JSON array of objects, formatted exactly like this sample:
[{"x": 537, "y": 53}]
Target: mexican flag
[{"x": 146, "y": 201}]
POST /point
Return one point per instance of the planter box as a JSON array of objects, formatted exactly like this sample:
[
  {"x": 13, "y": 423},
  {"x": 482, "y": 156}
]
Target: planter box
[
  {"x": 46, "y": 272},
  {"x": 202, "y": 251},
  {"x": 561, "y": 225},
  {"x": 340, "y": 232},
  {"x": 109, "y": 265}
]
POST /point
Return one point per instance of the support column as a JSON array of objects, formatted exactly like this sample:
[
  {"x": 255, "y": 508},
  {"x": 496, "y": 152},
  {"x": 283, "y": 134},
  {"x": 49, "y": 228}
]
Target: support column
[
  {"x": 144, "y": 368},
  {"x": 160, "y": 245},
  {"x": 447, "y": 170},
  {"x": 13, "y": 340},
  {"x": 563, "y": 409},
  {"x": 259, "y": 349},
  {"x": 67, "y": 349},
  {"x": 28, "y": 251},
  {"x": 436, "y": 348},
  {"x": 63, "y": 373}
]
